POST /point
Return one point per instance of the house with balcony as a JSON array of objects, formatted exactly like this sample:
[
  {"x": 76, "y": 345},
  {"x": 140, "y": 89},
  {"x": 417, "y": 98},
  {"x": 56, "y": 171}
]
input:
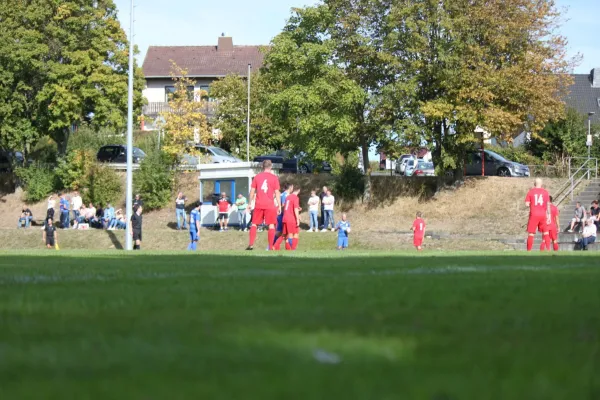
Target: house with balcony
[{"x": 205, "y": 64}]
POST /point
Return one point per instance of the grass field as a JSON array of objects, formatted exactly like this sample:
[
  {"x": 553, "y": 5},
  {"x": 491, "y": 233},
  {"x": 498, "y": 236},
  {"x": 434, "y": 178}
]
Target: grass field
[{"x": 360, "y": 325}]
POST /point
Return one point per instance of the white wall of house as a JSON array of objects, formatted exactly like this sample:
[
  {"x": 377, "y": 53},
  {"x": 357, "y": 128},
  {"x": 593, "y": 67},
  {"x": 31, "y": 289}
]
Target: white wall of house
[{"x": 154, "y": 90}]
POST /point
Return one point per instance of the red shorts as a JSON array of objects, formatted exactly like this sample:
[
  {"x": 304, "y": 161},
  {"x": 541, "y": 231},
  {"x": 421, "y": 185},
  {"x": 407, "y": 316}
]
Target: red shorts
[
  {"x": 290, "y": 228},
  {"x": 537, "y": 223},
  {"x": 268, "y": 216},
  {"x": 418, "y": 241},
  {"x": 553, "y": 234}
]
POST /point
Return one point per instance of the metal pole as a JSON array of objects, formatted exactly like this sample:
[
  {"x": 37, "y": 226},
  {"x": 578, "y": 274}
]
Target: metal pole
[
  {"x": 129, "y": 197},
  {"x": 248, "y": 119}
]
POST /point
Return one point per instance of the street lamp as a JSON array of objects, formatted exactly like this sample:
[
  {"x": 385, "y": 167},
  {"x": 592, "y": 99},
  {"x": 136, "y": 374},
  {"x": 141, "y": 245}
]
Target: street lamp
[
  {"x": 129, "y": 196},
  {"x": 588, "y": 142}
]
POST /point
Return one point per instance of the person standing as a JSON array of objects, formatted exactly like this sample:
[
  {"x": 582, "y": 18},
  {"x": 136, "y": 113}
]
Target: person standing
[
  {"x": 553, "y": 227},
  {"x": 322, "y": 195},
  {"x": 418, "y": 228},
  {"x": 180, "y": 210},
  {"x": 328, "y": 203},
  {"x": 50, "y": 210},
  {"x": 224, "y": 205},
  {"x": 289, "y": 188},
  {"x": 194, "y": 227},
  {"x": 64, "y": 211},
  {"x": 343, "y": 229},
  {"x": 50, "y": 235},
  {"x": 136, "y": 227},
  {"x": 76, "y": 204},
  {"x": 137, "y": 201},
  {"x": 538, "y": 201},
  {"x": 313, "y": 210},
  {"x": 291, "y": 221},
  {"x": 264, "y": 201},
  {"x": 241, "y": 205}
]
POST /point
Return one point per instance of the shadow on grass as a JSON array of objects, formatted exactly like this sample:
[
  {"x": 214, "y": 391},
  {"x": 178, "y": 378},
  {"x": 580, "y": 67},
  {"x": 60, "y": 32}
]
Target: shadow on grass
[{"x": 113, "y": 238}]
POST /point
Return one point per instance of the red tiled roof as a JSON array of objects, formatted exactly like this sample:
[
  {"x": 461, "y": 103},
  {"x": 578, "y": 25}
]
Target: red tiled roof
[{"x": 202, "y": 61}]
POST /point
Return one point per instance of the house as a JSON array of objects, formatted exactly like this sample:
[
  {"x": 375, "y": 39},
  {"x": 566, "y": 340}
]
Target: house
[
  {"x": 204, "y": 64},
  {"x": 584, "y": 94}
]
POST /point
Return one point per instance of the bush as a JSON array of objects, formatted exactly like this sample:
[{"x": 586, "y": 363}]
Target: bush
[
  {"x": 45, "y": 151},
  {"x": 102, "y": 185},
  {"x": 38, "y": 181},
  {"x": 89, "y": 139},
  {"x": 350, "y": 184},
  {"x": 73, "y": 170},
  {"x": 155, "y": 180}
]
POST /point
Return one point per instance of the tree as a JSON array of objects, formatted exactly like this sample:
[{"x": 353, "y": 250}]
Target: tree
[
  {"x": 184, "y": 122},
  {"x": 231, "y": 93},
  {"x": 464, "y": 64},
  {"x": 63, "y": 62}
]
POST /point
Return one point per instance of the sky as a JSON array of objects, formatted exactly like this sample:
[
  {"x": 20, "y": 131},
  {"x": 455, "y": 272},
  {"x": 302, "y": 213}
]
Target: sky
[{"x": 200, "y": 22}]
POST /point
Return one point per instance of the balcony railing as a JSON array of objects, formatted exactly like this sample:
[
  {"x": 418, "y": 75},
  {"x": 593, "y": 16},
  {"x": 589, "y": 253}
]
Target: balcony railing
[{"x": 153, "y": 109}]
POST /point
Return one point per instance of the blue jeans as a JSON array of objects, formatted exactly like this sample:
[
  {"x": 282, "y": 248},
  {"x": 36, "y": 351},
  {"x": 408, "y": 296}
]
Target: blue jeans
[
  {"x": 64, "y": 219},
  {"x": 76, "y": 215},
  {"x": 26, "y": 221},
  {"x": 180, "y": 214},
  {"x": 314, "y": 220},
  {"x": 242, "y": 219},
  {"x": 587, "y": 240},
  {"x": 112, "y": 224},
  {"x": 329, "y": 219}
]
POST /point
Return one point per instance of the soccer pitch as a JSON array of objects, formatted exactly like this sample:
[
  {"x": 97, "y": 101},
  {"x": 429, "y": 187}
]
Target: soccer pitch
[{"x": 326, "y": 325}]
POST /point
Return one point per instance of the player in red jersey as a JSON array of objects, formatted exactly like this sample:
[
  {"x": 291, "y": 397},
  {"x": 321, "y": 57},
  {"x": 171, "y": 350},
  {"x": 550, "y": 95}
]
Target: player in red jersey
[
  {"x": 538, "y": 201},
  {"x": 291, "y": 221},
  {"x": 264, "y": 199},
  {"x": 418, "y": 227},
  {"x": 553, "y": 227}
]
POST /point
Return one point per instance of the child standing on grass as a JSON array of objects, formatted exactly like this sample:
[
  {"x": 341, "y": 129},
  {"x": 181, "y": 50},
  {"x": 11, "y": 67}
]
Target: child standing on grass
[
  {"x": 418, "y": 228},
  {"x": 343, "y": 229}
]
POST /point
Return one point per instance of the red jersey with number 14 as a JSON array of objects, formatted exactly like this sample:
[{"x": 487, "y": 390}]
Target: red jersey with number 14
[
  {"x": 419, "y": 227},
  {"x": 292, "y": 202},
  {"x": 265, "y": 185},
  {"x": 538, "y": 200}
]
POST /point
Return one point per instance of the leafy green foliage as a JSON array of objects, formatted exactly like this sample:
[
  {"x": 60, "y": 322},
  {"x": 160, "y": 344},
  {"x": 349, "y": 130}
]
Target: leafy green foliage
[
  {"x": 87, "y": 137},
  {"x": 44, "y": 151},
  {"x": 155, "y": 180},
  {"x": 73, "y": 170},
  {"x": 517, "y": 154},
  {"x": 39, "y": 181},
  {"x": 350, "y": 184},
  {"x": 102, "y": 186}
]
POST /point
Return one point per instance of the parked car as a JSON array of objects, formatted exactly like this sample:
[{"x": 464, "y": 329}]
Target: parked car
[
  {"x": 401, "y": 163},
  {"x": 217, "y": 155},
  {"x": 117, "y": 153},
  {"x": 10, "y": 159},
  {"x": 295, "y": 164},
  {"x": 423, "y": 168},
  {"x": 494, "y": 164}
]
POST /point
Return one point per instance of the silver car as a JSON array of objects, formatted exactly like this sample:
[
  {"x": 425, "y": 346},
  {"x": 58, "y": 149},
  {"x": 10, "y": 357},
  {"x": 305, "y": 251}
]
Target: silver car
[{"x": 216, "y": 154}]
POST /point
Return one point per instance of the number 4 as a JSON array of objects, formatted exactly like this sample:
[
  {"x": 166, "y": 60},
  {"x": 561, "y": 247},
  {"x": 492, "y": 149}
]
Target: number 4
[
  {"x": 539, "y": 200},
  {"x": 265, "y": 186}
]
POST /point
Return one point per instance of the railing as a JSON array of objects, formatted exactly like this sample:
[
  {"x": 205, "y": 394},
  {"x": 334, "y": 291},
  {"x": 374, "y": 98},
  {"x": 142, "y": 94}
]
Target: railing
[
  {"x": 579, "y": 169},
  {"x": 156, "y": 108}
]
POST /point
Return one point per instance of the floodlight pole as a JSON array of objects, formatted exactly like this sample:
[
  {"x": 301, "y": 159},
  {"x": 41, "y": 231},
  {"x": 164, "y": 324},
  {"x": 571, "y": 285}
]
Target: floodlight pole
[
  {"x": 129, "y": 198},
  {"x": 248, "y": 119}
]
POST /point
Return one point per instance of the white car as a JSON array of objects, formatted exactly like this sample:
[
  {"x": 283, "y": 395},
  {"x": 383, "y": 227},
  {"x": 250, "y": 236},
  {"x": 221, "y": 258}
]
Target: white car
[
  {"x": 217, "y": 155},
  {"x": 402, "y": 163}
]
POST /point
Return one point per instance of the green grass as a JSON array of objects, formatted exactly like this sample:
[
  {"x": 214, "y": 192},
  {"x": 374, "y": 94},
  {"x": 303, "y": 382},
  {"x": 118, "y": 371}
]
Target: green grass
[{"x": 359, "y": 325}]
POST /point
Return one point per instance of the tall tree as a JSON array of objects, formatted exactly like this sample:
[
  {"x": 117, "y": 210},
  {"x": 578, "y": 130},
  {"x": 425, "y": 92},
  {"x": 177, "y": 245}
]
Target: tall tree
[{"x": 63, "y": 62}]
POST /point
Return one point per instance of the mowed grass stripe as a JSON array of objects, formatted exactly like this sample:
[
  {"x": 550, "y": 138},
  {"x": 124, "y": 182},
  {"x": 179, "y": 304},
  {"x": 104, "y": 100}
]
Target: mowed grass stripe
[{"x": 326, "y": 325}]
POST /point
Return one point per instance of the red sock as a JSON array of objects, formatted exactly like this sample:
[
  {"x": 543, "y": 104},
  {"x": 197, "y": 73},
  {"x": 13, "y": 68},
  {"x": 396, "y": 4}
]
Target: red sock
[
  {"x": 530, "y": 243},
  {"x": 287, "y": 245},
  {"x": 548, "y": 242},
  {"x": 253, "y": 235},
  {"x": 271, "y": 238},
  {"x": 278, "y": 242},
  {"x": 294, "y": 244},
  {"x": 555, "y": 246},
  {"x": 543, "y": 246}
]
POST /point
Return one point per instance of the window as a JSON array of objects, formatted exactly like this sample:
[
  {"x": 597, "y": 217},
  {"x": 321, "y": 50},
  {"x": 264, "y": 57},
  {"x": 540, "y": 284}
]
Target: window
[
  {"x": 205, "y": 90},
  {"x": 169, "y": 90}
]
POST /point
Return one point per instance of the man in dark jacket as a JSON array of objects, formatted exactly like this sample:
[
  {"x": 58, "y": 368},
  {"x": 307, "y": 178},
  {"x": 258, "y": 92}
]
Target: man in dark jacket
[
  {"x": 136, "y": 227},
  {"x": 321, "y": 196}
]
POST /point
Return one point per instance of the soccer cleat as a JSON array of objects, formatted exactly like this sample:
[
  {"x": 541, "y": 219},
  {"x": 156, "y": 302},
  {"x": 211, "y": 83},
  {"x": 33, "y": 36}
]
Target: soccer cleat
[{"x": 249, "y": 248}]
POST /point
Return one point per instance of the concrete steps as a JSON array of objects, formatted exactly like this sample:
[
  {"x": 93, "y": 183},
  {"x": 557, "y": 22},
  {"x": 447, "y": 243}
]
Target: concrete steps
[{"x": 566, "y": 242}]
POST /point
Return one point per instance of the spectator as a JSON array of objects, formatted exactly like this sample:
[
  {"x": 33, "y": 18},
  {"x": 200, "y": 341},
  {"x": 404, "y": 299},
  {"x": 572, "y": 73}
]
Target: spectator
[
  {"x": 595, "y": 213},
  {"x": 97, "y": 220},
  {"x": 64, "y": 211},
  {"x": 51, "y": 206},
  {"x": 180, "y": 210},
  {"x": 579, "y": 219},
  {"x": 109, "y": 215},
  {"x": 138, "y": 201},
  {"x": 120, "y": 220},
  {"x": 90, "y": 214},
  {"x": 321, "y": 197},
  {"x": 328, "y": 203},
  {"x": 136, "y": 227},
  {"x": 313, "y": 210},
  {"x": 76, "y": 204},
  {"x": 242, "y": 205},
  {"x": 50, "y": 235},
  {"x": 25, "y": 218},
  {"x": 83, "y": 211},
  {"x": 589, "y": 235},
  {"x": 224, "y": 205}
]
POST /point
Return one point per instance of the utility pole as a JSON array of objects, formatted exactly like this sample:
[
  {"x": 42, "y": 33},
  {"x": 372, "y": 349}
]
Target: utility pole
[
  {"x": 129, "y": 197},
  {"x": 248, "y": 119},
  {"x": 588, "y": 142}
]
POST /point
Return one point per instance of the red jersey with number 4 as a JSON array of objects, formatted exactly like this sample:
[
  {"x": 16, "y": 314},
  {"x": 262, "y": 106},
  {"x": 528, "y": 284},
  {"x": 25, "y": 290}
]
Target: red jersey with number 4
[
  {"x": 554, "y": 213},
  {"x": 419, "y": 227},
  {"x": 538, "y": 200},
  {"x": 292, "y": 202},
  {"x": 265, "y": 185}
]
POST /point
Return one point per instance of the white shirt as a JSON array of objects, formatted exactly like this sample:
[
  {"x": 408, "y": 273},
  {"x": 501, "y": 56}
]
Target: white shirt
[
  {"x": 76, "y": 202},
  {"x": 313, "y": 203},
  {"x": 328, "y": 202},
  {"x": 51, "y": 203},
  {"x": 590, "y": 230}
]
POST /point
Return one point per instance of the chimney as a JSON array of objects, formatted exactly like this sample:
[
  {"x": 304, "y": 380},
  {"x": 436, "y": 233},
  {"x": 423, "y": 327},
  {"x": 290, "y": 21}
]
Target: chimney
[
  {"x": 225, "y": 43},
  {"x": 595, "y": 75}
]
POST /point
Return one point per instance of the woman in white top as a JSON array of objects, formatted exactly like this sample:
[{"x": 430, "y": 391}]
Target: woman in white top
[
  {"x": 313, "y": 210},
  {"x": 328, "y": 202}
]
